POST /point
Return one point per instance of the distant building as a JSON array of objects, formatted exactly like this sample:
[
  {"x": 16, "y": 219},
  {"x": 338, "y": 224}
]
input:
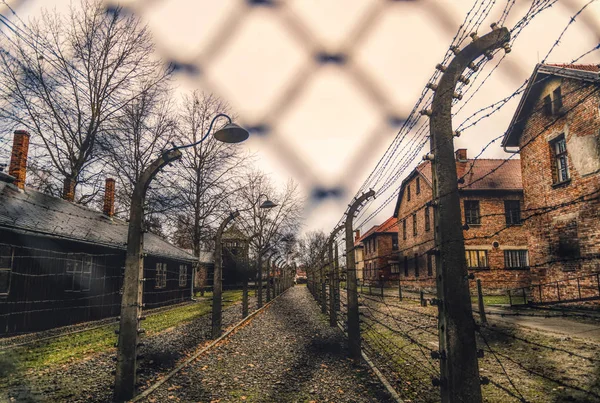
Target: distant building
[
  {"x": 359, "y": 256},
  {"x": 62, "y": 263},
  {"x": 556, "y": 131},
  {"x": 236, "y": 246},
  {"x": 381, "y": 252},
  {"x": 491, "y": 199}
]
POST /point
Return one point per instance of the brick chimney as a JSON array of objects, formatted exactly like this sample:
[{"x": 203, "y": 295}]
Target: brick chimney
[
  {"x": 69, "y": 189},
  {"x": 109, "y": 197},
  {"x": 18, "y": 158},
  {"x": 461, "y": 155},
  {"x": 357, "y": 236}
]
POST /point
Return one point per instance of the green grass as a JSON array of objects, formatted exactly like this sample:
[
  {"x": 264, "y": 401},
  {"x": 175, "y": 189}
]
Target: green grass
[
  {"x": 60, "y": 350},
  {"x": 497, "y": 300}
]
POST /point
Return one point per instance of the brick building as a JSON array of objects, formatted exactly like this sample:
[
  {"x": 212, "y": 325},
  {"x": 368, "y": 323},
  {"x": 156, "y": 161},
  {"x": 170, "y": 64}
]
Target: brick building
[
  {"x": 556, "y": 130},
  {"x": 495, "y": 240},
  {"x": 380, "y": 252}
]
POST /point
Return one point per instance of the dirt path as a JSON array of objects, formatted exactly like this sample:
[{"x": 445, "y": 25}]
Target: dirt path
[{"x": 286, "y": 354}]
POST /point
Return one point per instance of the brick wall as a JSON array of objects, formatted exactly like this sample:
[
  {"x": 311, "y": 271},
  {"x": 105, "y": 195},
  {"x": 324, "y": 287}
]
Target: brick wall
[
  {"x": 564, "y": 242},
  {"x": 492, "y": 236},
  {"x": 377, "y": 260}
]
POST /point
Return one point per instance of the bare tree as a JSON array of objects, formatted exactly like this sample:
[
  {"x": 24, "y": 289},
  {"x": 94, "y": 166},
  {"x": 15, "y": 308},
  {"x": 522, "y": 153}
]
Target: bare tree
[
  {"x": 66, "y": 76},
  {"x": 311, "y": 248},
  {"x": 140, "y": 131},
  {"x": 205, "y": 175}
]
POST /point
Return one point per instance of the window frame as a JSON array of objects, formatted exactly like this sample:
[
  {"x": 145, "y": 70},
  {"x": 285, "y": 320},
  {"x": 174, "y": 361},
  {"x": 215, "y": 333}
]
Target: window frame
[
  {"x": 414, "y": 220},
  {"x": 558, "y": 157},
  {"x": 160, "y": 275},
  {"x": 416, "y": 265},
  {"x": 479, "y": 265},
  {"x": 404, "y": 229},
  {"x": 79, "y": 266},
  {"x": 469, "y": 219},
  {"x": 427, "y": 219},
  {"x": 418, "y": 185},
  {"x": 525, "y": 252},
  {"x": 183, "y": 275},
  {"x": 11, "y": 261},
  {"x": 408, "y": 191},
  {"x": 508, "y": 213},
  {"x": 395, "y": 242}
]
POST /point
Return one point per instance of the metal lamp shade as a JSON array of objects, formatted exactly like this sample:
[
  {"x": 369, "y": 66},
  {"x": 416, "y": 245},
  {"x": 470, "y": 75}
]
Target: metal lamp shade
[
  {"x": 232, "y": 133},
  {"x": 268, "y": 204}
]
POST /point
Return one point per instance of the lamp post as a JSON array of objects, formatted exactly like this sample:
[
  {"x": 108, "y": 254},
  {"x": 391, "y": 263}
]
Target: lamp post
[{"x": 131, "y": 303}]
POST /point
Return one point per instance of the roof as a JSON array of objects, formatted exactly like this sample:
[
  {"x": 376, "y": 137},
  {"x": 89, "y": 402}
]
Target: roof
[
  {"x": 581, "y": 72},
  {"x": 389, "y": 226},
  {"x": 36, "y": 213},
  {"x": 479, "y": 174}
]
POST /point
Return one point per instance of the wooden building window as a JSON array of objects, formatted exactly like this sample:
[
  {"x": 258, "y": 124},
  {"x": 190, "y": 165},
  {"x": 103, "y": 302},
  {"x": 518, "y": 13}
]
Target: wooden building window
[
  {"x": 408, "y": 192},
  {"x": 182, "y": 275},
  {"x": 472, "y": 216},
  {"x": 394, "y": 241},
  {"x": 512, "y": 210},
  {"x": 79, "y": 272},
  {"x": 476, "y": 259},
  {"x": 427, "y": 219},
  {"x": 415, "y": 224},
  {"x": 515, "y": 259},
  {"x": 404, "y": 229},
  {"x": 161, "y": 275},
  {"x": 6, "y": 264},
  {"x": 418, "y": 182},
  {"x": 395, "y": 268},
  {"x": 561, "y": 160}
]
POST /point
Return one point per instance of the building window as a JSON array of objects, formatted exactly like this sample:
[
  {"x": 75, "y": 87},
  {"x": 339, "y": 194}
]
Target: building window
[
  {"x": 416, "y": 265},
  {"x": 408, "y": 192},
  {"x": 430, "y": 265},
  {"x": 182, "y": 275},
  {"x": 512, "y": 210},
  {"x": 514, "y": 259},
  {"x": 405, "y": 266},
  {"x": 161, "y": 275},
  {"x": 404, "y": 229},
  {"x": 476, "y": 259},
  {"x": 79, "y": 272},
  {"x": 472, "y": 216},
  {"x": 557, "y": 102},
  {"x": 418, "y": 185},
  {"x": 6, "y": 264},
  {"x": 561, "y": 160},
  {"x": 415, "y": 224},
  {"x": 395, "y": 268},
  {"x": 427, "y": 219},
  {"x": 394, "y": 241}
]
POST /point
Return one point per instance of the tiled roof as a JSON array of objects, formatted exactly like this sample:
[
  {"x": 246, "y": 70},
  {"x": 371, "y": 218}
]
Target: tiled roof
[
  {"x": 389, "y": 226},
  {"x": 583, "y": 67},
  {"x": 44, "y": 215},
  {"x": 485, "y": 174}
]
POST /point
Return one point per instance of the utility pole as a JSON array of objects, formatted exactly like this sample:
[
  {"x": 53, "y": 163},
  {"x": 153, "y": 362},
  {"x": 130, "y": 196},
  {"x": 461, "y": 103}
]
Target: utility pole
[
  {"x": 336, "y": 258},
  {"x": 269, "y": 277},
  {"x": 217, "y": 303},
  {"x": 351, "y": 288},
  {"x": 334, "y": 283},
  {"x": 323, "y": 284},
  {"x": 131, "y": 303},
  {"x": 458, "y": 363}
]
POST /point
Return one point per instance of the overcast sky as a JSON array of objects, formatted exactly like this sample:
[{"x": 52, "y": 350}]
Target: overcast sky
[{"x": 330, "y": 127}]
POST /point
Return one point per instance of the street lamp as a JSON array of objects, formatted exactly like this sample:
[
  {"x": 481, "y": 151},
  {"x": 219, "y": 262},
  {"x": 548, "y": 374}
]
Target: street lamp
[{"x": 131, "y": 303}]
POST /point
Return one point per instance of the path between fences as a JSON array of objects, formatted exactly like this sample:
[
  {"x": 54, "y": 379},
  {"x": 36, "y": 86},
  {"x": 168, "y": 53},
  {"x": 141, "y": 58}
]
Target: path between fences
[{"x": 288, "y": 353}]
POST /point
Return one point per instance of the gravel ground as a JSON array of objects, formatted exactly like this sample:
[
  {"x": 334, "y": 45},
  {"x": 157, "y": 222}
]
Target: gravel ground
[
  {"x": 288, "y": 353},
  {"x": 91, "y": 380}
]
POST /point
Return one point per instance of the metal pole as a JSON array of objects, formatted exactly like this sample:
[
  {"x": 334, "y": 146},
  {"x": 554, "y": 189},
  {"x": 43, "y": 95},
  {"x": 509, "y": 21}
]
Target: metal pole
[
  {"x": 482, "y": 316},
  {"x": 337, "y": 278},
  {"x": 260, "y": 284},
  {"x": 351, "y": 288},
  {"x": 269, "y": 279},
  {"x": 333, "y": 277},
  {"x": 131, "y": 303},
  {"x": 459, "y": 369},
  {"x": 217, "y": 300},
  {"x": 399, "y": 289},
  {"x": 323, "y": 287},
  {"x": 245, "y": 296}
]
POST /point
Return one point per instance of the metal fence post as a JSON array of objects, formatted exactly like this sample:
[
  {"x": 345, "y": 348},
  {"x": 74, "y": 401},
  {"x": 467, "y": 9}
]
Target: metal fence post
[
  {"x": 482, "y": 316},
  {"x": 399, "y": 289},
  {"x": 459, "y": 370},
  {"x": 333, "y": 277},
  {"x": 131, "y": 302},
  {"x": 351, "y": 290},
  {"x": 336, "y": 263}
]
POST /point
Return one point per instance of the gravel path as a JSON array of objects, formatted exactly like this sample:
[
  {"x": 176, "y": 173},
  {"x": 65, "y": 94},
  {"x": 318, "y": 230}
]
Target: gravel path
[
  {"x": 288, "y": 353},
  {"x": 91, "y": 380}
]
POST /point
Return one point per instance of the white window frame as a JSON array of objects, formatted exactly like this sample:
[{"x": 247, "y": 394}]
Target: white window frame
[
  {"x": 11, "y": 257},
  {"x": 477, "y": 254},
  {"x": 182, "y": 275},
  {"x": 79, "y": 266},
  {"x": 508, "y": 260},
  {"x": 161, "y": 275}
]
